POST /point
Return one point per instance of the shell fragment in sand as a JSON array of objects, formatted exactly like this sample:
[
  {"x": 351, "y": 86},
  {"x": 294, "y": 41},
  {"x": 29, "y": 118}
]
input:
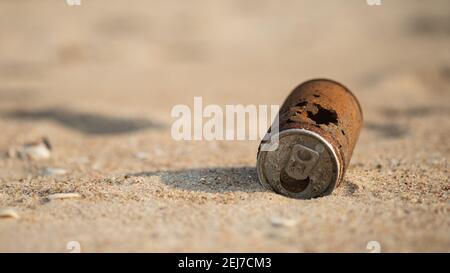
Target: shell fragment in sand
[
  {"x": 54, "y": 172},
  {"x": 281, "y": 222},
  {"x": 35, "y": 150},
  {"x": 8, "y": 213},
  {"x": 63, "y": 196}
]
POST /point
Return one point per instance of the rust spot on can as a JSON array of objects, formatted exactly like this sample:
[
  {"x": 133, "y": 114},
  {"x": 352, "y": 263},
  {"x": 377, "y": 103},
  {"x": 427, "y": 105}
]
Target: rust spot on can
[{"x": 319, "y": 124}]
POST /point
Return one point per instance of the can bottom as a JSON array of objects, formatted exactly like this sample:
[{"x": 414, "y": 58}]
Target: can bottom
[{"x": 304, "y": 165}]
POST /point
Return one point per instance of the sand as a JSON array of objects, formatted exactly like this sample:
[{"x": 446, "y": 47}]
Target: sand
[{"x": 99, "y": 81}]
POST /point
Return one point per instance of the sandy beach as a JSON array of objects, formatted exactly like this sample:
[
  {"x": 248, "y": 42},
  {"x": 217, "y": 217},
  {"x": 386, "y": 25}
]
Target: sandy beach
[{"x": 99, "y": 80}]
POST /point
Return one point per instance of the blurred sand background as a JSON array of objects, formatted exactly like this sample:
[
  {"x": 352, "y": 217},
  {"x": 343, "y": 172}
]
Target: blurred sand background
[{"x": 100, "y": 80}]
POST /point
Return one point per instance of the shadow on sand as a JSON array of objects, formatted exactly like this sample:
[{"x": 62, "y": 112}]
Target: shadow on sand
[
  {"x": 88, "y": 123},
  {"x": 212, "y": 180}
]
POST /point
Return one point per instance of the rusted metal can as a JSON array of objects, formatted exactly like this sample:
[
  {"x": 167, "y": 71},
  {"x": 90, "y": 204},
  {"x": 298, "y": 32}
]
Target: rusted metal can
[{"x": 319, "y": 124}]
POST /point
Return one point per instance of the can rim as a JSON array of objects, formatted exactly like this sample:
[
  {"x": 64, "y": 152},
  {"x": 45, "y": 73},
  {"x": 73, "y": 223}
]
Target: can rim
[{"x": 261, "y": 158}]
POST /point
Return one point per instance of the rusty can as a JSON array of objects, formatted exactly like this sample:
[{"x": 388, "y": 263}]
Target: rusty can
[{"x": 317, "y": 129}]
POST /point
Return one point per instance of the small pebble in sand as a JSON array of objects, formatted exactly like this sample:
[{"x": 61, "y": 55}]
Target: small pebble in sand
[
  {"x": 35, "y": 150},
  {"x": 54, "y": 171},
  {"x": 281, "y": 222},
  {"x": 63, "y": 196},
  {"x": 8, "y": 213}
]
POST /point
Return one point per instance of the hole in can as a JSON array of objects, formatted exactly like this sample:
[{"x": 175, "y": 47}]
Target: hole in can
[
  {"x": 323, "y": 116},
  {"x": 293, "y": 185}
]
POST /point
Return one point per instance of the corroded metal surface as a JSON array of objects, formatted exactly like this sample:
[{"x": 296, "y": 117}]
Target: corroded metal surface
[{"x": 319, "y": 124}]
